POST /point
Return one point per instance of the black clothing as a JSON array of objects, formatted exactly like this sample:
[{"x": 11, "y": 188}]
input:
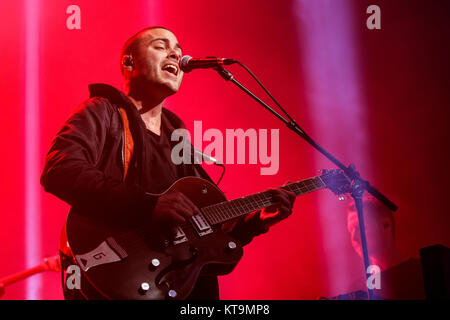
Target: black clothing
[
  {"x": 163, "y": 172},
  {"x": 88, "y": 152},
  {"x": 85, "y": 166},
  {"x": 162, "y": 168},
  {"x": 402, "y": 282}
]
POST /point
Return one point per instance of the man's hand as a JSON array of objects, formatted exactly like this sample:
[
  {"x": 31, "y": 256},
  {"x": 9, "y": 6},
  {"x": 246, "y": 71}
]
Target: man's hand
[
  {"x": 281, "y": 209},
  {"x": 171, "y": 210}
]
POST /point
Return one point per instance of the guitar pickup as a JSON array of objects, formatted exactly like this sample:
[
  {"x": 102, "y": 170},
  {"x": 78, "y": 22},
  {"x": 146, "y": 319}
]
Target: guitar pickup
[{"x": 201, "y": 225}]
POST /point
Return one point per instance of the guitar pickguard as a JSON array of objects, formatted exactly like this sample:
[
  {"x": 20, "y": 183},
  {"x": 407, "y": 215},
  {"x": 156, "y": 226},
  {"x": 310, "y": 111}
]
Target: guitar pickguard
[{"x": 107, "y": 252}]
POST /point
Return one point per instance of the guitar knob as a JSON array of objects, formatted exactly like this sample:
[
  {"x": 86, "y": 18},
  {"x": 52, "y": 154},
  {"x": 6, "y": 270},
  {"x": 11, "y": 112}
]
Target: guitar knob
[
  {"x": 154, "y": 264},
  {"x": 144, "y": 288},
  {"x": 231, "y": 246},
  {"x": 172, "y": 294}
]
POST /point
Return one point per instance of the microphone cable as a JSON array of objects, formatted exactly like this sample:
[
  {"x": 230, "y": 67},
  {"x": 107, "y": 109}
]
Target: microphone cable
[{"x": 292, "y": 121}]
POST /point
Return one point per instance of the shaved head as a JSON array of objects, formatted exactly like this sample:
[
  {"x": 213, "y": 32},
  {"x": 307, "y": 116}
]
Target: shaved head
[
  {"x": 133, "y": 42},
  {"x": 150, "y": 63}
]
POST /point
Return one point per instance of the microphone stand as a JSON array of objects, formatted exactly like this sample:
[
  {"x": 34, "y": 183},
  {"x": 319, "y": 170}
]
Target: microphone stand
[{"x": 359, "y": 184}]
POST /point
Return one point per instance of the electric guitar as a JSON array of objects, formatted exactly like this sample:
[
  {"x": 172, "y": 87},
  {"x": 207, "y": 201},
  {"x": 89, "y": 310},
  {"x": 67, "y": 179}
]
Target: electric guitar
[{"x": 141, "y": 264}]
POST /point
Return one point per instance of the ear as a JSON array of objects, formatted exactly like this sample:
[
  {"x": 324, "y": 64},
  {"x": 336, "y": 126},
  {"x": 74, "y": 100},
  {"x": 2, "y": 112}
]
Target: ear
[{"x": 127, "y": 62}]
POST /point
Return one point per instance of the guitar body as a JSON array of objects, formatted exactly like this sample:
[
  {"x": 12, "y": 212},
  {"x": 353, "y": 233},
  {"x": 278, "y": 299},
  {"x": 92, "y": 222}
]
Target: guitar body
[{"x": 141, "y": 263}]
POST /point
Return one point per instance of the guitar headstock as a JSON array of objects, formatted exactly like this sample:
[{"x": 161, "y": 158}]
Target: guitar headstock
[{"x": 336, "y": 181}]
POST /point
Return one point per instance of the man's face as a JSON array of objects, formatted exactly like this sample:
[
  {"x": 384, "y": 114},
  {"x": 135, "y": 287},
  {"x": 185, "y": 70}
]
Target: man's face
[
  {"x": 377, "y": 234},
  {"x": 156, "y": 62}
]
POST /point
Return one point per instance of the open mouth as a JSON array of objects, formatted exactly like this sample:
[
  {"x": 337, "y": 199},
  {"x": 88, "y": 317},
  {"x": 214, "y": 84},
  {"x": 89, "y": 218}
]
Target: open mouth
[{"x": 171, "y": 68}]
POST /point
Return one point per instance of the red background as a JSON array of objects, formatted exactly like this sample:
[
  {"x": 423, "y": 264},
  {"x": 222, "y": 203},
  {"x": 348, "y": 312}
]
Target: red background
[{"x": 403, "y": 71}]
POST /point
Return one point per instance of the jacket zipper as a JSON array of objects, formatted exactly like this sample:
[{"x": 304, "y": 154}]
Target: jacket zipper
[{"x": 123, "y": 147}]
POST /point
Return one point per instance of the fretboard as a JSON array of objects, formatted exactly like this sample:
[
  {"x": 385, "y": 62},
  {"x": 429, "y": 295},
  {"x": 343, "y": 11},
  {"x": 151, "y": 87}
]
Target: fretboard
[{"x": 228, "y": 210}]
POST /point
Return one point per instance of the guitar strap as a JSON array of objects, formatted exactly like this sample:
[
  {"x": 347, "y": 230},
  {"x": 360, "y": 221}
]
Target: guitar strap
[{"x": 128, "y": 142}]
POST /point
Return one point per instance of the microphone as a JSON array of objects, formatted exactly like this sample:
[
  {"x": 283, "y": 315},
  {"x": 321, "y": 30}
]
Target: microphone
[
  {"x": 187, "y": 63},
  {"x": 198, "y": 155}
]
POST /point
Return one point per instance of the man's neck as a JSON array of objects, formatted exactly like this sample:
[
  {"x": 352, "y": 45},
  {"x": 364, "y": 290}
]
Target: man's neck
[{"x": 150, "y": 111}]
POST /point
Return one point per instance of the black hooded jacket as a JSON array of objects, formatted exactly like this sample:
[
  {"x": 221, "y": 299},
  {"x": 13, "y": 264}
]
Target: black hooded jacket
[{"x": 85, "y": 168}]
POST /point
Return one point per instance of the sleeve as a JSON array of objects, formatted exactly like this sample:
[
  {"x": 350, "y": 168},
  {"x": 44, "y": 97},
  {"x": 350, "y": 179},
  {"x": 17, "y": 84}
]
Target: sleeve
[
  {"x": 70, "y": 171},
  {"x": 243, "y": 229},
  {"x": 246, "y": 228}
]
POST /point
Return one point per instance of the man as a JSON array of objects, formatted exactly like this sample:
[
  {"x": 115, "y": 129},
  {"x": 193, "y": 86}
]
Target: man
[
  {"x": 401, "y": 278},
  {"x": 380, "y": 234},
  {"x": 87, "y": 165}
]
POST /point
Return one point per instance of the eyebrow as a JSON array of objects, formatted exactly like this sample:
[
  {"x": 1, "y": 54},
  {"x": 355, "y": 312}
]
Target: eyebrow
[{"x": 167, "y": 41}]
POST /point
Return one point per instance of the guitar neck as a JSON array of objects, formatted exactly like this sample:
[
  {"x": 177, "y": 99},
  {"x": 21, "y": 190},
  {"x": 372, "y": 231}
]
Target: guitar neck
[{"x": 229, "y": 210}]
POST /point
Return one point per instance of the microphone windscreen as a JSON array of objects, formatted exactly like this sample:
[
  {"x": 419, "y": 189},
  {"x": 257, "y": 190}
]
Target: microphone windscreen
[{"x": 184, "y": 63}]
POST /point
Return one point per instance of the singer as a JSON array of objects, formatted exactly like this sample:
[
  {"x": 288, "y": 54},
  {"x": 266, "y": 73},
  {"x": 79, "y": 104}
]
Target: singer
[{"x": 111, "y": 162}]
